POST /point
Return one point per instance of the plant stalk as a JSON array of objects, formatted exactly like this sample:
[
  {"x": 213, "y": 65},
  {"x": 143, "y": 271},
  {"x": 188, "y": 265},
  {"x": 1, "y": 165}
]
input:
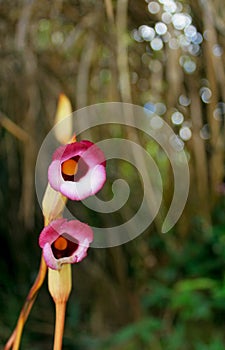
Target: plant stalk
[
  {"x": 60, "y": 308},
  {"x": 15, "y": 338}
]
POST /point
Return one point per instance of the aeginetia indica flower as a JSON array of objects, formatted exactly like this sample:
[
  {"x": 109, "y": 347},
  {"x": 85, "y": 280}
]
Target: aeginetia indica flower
[
  {"x": 77, "y": 170},
  {"x": 65, "y": 242}
]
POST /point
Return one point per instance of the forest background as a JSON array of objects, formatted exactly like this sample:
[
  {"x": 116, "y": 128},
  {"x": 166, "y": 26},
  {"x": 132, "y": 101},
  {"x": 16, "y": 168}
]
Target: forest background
[{"x": 159, "y": 291}]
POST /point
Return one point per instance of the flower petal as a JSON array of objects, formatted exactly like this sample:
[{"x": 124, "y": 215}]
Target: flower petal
[
  {"x": 70, "y": 150},
  {"x": 55, "y": 175},
  {"x": 51, "y": 232},
  {"x": 87, "y": 186},
  {"x": 79, "y": 231},
  {"x": 50, "y": 260},
  {"x": 73, "y": 231},
  {"x": 92, "y": 174}
]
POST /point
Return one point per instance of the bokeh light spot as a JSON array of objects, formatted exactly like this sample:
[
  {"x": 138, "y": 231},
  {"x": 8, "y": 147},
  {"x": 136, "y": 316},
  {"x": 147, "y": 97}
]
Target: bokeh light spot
[
  {"x": 149, "y": 108},
  {"x": 146, "y": 32},
  {"x": 205, "y": 94},
  {"x": 185, "y": 133},
  {"x": 189, "y": 66},
  {"x": 184, "y": 100},
  {"x": 160, "y": 28},
  {"x": 217, "y": 50},
  {"x": 160, "y": 108},
  {"x": 166, "y": 17},
  {"x": 153, "y": 7},
  {"x": 181, "y": 20},
  {"x": 204, "y": 132},
  {"x": 176, "y": 142},
  {"x": 156, "y": 44},
  {"x": 156, "y": 122},
  {"x": 177, "y": 118}
]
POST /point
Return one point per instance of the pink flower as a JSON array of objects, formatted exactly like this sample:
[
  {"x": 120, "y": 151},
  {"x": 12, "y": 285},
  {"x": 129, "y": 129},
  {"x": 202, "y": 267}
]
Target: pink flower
[
  {"x": 77, "y": 170},
  {"x": 65, "y": 242}
]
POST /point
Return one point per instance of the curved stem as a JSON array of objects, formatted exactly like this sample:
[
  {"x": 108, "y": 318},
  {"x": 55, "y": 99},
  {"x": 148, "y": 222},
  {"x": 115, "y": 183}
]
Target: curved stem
[{"x": 15, "y": 338}]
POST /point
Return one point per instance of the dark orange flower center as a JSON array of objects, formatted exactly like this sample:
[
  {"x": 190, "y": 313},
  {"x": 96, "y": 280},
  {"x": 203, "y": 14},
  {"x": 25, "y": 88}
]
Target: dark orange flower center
[
  {"x": 73, "y": 169},
  {"x": 69, "y": 167},
  {"x": 63, "y": 247},
  {"x": 60, "y": 243}
]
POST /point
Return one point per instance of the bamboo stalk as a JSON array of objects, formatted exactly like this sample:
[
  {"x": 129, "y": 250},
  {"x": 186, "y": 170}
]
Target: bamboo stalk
[
  {"x": 109, "y": 10},
  {"x": 13, "y": 128},
  {"x": 216, "y": 139}
]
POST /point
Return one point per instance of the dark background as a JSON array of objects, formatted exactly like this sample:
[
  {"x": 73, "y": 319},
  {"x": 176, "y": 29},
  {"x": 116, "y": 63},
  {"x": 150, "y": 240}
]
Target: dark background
[{"x": 157, "y": 291}]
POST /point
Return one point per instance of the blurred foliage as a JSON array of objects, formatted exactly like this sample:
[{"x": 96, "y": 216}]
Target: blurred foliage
[{"x": 158, "y": 291}]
